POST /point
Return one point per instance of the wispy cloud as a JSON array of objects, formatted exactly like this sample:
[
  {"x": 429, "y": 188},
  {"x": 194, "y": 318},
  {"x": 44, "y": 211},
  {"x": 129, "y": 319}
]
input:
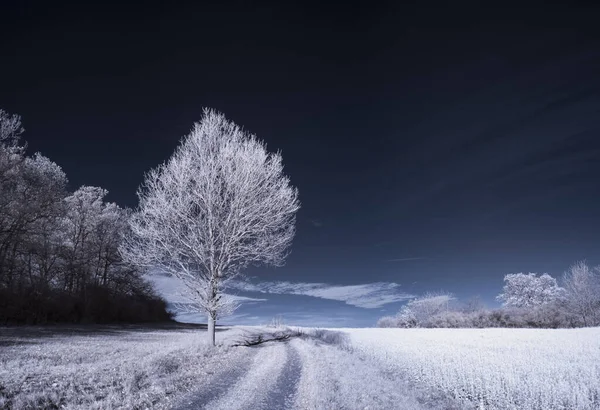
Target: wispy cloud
[
  {"x": 316, "y": 223},
  {"x": 174, "y": 291},
  {"x": 406, "y": 259},
  {"x": 368, "y": 296},
  {"x": 242, "y": 299}
]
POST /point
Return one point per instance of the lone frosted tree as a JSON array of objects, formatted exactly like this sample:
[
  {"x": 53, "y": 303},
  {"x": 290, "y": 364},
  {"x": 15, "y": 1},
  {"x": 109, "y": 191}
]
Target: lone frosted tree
[{"x": 219, "y": 204}]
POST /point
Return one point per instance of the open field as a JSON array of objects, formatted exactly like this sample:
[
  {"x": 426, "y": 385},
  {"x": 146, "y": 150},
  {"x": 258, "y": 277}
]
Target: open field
[
  {"x": 140, "y": 368},
  {"x": 494, "y": 368},
  {"x": 173, "y": 367},
  {"x": 103, "y": 367}
]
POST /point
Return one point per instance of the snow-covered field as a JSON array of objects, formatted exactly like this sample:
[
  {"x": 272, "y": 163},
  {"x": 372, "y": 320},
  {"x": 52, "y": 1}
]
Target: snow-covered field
[
  {"x": 144, "y": 368},
  {"x": 494, "y": 368},
  {"x": 104, "y": 368},
  {"x": 112, "y": 368}
]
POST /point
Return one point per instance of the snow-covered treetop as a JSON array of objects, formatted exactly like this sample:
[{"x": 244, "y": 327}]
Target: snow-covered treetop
[
  {"x": 529, "y": 290},
  {"x": 10, "y": 129}
]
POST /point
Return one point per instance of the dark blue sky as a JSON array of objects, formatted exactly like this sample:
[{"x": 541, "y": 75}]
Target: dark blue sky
[{"x": 435, "y": 147}]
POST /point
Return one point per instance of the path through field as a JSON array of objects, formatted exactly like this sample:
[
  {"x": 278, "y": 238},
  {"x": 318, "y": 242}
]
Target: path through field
[
  {"x": 303, "y": 374},
  {"x": 165, "y": 367}
]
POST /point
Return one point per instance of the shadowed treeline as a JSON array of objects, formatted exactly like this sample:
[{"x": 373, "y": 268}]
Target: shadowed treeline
[{"x": 59, "y": 257}]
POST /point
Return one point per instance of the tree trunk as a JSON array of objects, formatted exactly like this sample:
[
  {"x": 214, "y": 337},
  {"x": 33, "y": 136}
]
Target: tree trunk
[{"x": 211, "y": 329}]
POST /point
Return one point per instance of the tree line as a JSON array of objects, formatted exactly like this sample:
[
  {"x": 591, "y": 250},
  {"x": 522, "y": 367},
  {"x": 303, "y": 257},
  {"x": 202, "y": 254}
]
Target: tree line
[
  {"x": 59, "y": 250},
  {"x": 528, "y": 300}
]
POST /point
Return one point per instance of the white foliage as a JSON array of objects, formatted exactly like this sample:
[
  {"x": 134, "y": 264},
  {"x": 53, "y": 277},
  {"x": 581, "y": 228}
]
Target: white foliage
[
  {"x": 582, "y": 285},
  {"x": 429, "y": 305},
  {"x": 11, "y": 154},
  {"x": 529, "y": 290},
  {"x": 10, "y": 129},
  {"x": 219, "y": 204},
  {"x": 406, "y": 317},
  {"x": 387, "y": 321},
  {"x": 419, "y": 311},
  {"x": 93, "y": 230},
  {"x": 30, "y": 193}
]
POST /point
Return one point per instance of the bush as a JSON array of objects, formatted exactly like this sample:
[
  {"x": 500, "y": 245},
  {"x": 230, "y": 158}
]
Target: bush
[{"x": 387, "y": 321}]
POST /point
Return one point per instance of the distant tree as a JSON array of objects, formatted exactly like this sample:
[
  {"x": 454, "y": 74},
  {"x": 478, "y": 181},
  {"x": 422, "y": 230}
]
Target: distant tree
[
  {"x": 429, "y": 305},
  {"x": 219, "y": 204},
  {"x": 582, "y": 285},
  {"x": 473, "y": 305},
  {"x": 387, "y": 321},
  {"x": 406, "y": 317},
  {"x": 529, "y": 290},
  {"x": 421, "y": 311}
]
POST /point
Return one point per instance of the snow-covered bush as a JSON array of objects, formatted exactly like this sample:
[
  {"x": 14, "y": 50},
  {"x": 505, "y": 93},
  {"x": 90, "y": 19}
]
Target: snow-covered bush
[
  {"x": 429, "y": 305},
  {"x": 406, "y": 317},
  {"x": 452, "y": 319},
  {"x": 387, "y": 321},
  {"x": 548, "y": 315},
  {"x": 419, "y": 311}
]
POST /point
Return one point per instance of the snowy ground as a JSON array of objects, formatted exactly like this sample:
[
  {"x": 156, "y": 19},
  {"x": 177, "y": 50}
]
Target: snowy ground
[
  {"x": 493, "y": 368},
  {"x": 104, "y": 367},
  {"x": 358, "y": 369},
  {"x": 174, "y": 368}
]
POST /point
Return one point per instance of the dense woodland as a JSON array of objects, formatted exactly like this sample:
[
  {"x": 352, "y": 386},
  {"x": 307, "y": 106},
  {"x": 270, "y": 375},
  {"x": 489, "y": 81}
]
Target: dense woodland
[{"x": 59, "y": 258}]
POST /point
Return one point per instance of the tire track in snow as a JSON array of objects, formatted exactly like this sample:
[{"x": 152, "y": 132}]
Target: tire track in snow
[
  {"x": 220, "y": 382},
  {"x": 284, "y": 392},
  {"x": 334, "y": 378},
  {"x": 253, "y": 391}
]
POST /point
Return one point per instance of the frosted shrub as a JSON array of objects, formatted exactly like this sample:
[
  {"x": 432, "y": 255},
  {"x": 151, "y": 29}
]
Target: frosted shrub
[{"x": 387, "y": 321}]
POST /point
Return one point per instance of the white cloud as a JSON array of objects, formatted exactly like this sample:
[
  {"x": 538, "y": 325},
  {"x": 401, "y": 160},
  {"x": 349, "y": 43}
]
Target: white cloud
[
  {"x": 239, "y": 298},
  {"x": 369, "y": 296},
  {"x": 174, "y": 291}
]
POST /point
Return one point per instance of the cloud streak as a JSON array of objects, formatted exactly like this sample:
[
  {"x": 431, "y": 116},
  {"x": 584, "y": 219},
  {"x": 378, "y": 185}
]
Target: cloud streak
[
  {"x": 316, "y": 223},
  {"x": 368, "y": 296},
  {"x": 175, "y": 292},
  {"x": 406, "y": 259}
]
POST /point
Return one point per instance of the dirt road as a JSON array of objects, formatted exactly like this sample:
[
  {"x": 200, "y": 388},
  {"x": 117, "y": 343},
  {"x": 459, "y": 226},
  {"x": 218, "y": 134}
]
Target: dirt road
[{"x": 303, "y": 374}]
